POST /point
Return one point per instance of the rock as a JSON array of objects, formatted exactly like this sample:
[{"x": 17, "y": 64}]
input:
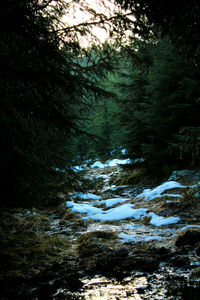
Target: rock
[
  {"x": 190, "y": 236},
  {"x": 141, "y": 289},
  {"x": 195, "y": 273},
  {"x": 179, "y": 261},
  {"x": 92, "y": 243},
  {"x": 198, "y": 250},
  {"x": 182, "y": 175},
  {"x": 142, "y": 263},
  {"x": 143, "y": 258}
]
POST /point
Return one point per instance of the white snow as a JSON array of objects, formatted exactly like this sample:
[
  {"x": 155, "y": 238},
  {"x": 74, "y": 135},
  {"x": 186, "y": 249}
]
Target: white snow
[
  {"x": 138, "y": 160},
  {"x": 110, "y": 163},
  {"x": 160, "y": 221},
  {"x": 115, "y": 162},
  {"x": 77, "y": 168},
  {"x": 83, "y": 208},
  {"x": 112, "y": 201},
  {"x": 123, "y": 151},
  {"x": 98, "y": 164},
  {"x": 86, "y": 196},
  {"x": 124, "y": 211},
  {"x": 169, "y": 201},
  {"x": 28, "y": 212},
  {"x": 149, "y": 194},
  {"x": 190, "y": 226},
  {"x": 132, "y": 238},
  {"x": 119, "y": 187},
  {"x": 173, "y": 195}
]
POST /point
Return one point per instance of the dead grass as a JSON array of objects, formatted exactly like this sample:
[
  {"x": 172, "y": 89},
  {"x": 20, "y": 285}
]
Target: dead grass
[
  {"x": 25, "y": 249},
  {"x": 91, "y": 243}
]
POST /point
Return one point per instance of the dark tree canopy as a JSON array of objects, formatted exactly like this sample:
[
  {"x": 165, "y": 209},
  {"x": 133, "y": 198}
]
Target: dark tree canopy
[
  {"x": 45, "y": 90},
  {"x": 178, "y": 19},
  {"x": 48, "y": 84},
  {"x": 160, "y": 106}
]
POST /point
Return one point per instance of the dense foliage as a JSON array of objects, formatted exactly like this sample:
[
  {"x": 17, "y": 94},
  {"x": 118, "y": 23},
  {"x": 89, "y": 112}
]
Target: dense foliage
[
  {"x": 45, "y": 91},
  {"x": 163, "y": 90},
  {"x": 160, "y": 94},
  {"x": 178, "y": 19},
  {"x": 48, "y": 83}
]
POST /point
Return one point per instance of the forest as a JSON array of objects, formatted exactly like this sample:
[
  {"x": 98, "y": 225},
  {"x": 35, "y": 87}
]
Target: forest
[
  {"x": 60, "y": 101},
  {"x": 129, "y": 103}
]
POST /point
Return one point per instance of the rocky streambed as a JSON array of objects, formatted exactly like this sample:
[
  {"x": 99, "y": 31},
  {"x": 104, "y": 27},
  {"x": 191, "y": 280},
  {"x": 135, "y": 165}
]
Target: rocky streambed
[{"x": 112, "y": 242}]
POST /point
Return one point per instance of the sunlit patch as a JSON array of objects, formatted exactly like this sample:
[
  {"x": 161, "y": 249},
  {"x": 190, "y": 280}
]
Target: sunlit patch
[{"x": 104, "y": 289}]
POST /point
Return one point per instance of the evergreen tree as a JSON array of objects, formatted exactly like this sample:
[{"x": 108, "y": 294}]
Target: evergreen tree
[
  {"x": 177, "y": 19},
  {"x": 161, "y": 99},
  {"x": 132, "y": 98},
  {"x": 44, "y": 91}
]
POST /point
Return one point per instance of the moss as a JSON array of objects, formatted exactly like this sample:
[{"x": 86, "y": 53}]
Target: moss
[{"x": 189, "y": 237}]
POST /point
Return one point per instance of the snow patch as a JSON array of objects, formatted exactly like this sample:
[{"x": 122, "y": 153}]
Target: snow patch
[
  {"x": 123, "y": 151},
  {"x": 161, "y": 221},
  {"x": 98, "y": 164},
  {"x": 115, "y": 162},
  {"x": 111, "y": 163},
  {"x": 112, "y": 201},
  {"x": 86, "y": 196},
  {"x": 190, "y": 226},
  {"x": 77, "y": 168},
  {"x": 135, "y": 238},
  {"x": 149, "y": 194},
  {"x": 83, "y": 208},
  {"x": 26, "y": 213},
  {"x": 124, "y": 211}
]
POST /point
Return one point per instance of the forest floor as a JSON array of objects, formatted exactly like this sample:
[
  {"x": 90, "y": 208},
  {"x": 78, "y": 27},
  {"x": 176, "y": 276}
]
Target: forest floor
[{"x": 127, "y": 237}]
